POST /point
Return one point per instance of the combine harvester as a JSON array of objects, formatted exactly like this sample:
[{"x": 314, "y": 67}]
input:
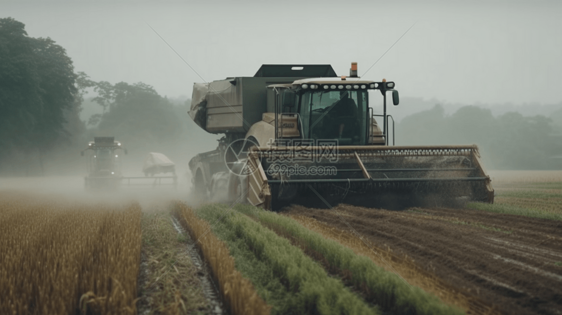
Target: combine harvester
[
  {"x": 301, "y": 134},
  {"x": 105, "y": 166}
]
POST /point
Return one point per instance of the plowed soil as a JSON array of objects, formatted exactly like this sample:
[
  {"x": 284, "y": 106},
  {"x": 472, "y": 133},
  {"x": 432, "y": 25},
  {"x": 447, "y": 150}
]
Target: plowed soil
[{"x": 511, "y": 262}]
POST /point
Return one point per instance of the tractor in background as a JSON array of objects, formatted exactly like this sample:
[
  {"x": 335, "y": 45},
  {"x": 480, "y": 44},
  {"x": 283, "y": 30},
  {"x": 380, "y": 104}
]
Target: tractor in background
[{"x": 104, "y": 164}]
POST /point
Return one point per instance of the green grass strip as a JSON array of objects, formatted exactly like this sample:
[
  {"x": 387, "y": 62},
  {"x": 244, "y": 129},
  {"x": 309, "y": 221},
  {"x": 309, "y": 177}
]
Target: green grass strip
[
  {"x": 509, "y": 209},
  {"x": 287, "y": 279},
  {"x": 379, "y": 286},
  {"x": 532, "y": 194},
  {"x": 553, "y": 185}
]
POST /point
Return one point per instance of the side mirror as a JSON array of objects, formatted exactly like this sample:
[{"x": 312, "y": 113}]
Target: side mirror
[
  {"x": 395, "y": 98},
  {"x": 288, "y": 98}
]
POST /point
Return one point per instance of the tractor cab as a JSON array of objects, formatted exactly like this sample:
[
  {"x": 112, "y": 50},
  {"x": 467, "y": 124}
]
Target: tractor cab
[
  {"x": 333, "y": 109},
  {"x": 104, "y": 162}
]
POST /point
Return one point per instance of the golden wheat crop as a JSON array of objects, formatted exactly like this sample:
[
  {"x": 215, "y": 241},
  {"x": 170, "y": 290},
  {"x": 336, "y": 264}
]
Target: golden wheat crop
[
  {"x": 533, "y": 193},
  {"x": 502, "y": 178},
  {"x": 59, "y": 257},
  {"x": 238, "y": 292}
]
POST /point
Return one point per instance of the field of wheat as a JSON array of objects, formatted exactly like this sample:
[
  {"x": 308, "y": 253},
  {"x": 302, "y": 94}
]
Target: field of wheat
[
  {"x": 63, "y": 257},
  {"x": 530, "y": 193}
]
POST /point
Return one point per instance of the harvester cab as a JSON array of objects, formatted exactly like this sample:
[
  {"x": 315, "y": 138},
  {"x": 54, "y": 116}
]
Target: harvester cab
[
  {"x": 300, "y": 133},
  {"x": 335, "y": 109},
  {"x": 104, "y": 163}
]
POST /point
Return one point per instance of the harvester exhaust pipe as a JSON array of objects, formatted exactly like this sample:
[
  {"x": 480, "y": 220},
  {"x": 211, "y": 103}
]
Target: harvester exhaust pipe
[{"x": 353, "y": 70}]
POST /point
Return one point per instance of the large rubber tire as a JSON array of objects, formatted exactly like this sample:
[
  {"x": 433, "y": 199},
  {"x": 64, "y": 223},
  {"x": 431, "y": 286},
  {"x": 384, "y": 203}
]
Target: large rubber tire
[
  {"x": 199, "y": 188},
  {"x": 281, "y": 196},
  {"x": 238, "y": 186}
]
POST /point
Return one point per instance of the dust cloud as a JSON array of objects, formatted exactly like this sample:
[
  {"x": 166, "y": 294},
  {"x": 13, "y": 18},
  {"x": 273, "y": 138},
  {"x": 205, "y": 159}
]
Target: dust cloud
[
  {"x": 62, "y": 172},
  {"x": 71, "y": 189}
]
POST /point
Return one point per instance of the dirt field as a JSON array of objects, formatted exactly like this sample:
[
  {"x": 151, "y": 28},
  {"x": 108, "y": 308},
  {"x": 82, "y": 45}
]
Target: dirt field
[{"x": 512, "y": 262}]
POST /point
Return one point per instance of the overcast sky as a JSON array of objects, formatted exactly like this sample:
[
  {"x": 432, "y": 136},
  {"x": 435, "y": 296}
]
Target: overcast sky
[{"x": 488, "y": 52}]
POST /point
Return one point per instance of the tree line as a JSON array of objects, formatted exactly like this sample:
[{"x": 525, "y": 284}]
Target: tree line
[
  {"x": 38, "y": 93},
  {"x": 509, "y": 141}
]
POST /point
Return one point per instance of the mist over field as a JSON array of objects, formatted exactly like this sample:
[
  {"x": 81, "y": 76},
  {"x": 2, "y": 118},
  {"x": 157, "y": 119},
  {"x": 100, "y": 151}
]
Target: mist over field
[{"x": 485, "y": 73}]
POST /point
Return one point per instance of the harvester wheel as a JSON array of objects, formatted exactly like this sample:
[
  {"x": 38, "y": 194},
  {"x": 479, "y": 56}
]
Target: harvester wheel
[
  {"x": 199, "y": 185},
  {"x": 281, "y": 196},
  {"x": 238, "y": 188}
]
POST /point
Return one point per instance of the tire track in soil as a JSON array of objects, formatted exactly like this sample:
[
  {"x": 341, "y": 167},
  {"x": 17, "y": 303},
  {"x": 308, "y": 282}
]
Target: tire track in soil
[
  {"x": 513, "y": 270},
  {"x": 407, "y": 269},
  {"x": 210, "y": 290},
  {"x": 525, "y": 227}
]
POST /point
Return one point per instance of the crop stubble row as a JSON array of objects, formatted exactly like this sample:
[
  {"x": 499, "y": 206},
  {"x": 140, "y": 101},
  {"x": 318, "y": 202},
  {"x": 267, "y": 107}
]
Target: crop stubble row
[
  {"x": 402, "y": 266},
  {"x": 237, "y": 292},
  {"x": 360, "y": 272},
  {"x": 286, "y": 278},
  {"x": 289, "y": 265},
  {"x": 505, "y": 260}
]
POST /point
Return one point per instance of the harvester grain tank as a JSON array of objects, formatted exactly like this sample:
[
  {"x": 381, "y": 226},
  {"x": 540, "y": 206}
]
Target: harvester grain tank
[{"x": 300, "y": 133}]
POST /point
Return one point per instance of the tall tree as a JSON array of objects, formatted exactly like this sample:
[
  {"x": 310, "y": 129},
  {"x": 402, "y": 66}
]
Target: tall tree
[
  {"x": 20, "y": 97},
  {"x": 136, "y": 113},
  {"x": 74, "y": 126},
  {"x": 37, "y": 90},
  {"x": 58, "y": 93}
]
